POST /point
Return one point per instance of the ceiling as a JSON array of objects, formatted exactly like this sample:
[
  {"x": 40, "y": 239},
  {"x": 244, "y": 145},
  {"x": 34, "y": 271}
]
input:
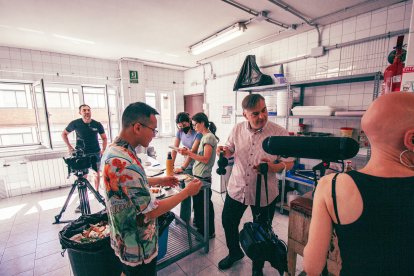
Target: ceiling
[{"x": 159, "y": 30}]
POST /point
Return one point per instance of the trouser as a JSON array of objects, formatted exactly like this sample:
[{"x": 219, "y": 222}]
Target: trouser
[
  {"x": 198, "y": 203},
  {"x": 185, "y": 207},
  {"x": 149, "y": 269},
  {"x": 233, "y": 211}
]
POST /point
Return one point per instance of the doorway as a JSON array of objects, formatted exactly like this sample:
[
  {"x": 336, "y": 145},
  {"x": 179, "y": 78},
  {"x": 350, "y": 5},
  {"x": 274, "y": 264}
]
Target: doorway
[{"x": 193, "y": 103}]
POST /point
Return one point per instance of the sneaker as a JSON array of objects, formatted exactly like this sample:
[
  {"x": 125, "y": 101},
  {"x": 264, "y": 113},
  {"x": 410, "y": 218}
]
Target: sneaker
[
  {"x": 228, "y": 261},
  {"x": 78, "y": 209}
]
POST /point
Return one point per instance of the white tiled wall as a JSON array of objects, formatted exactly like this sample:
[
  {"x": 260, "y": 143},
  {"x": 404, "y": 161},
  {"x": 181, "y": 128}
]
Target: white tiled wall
[
  {"x": 360, "y": 58},
  {"x": 31, "y": 65}
]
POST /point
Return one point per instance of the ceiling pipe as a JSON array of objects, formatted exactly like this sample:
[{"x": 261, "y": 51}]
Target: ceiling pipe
[
  {"x": 256, "y": 13},
  {"x": 200, "y": 62},
  {"x": 356, "y": 6},
  {"x": 298, "y": 14},
  {"x": 330, "y": 47}
]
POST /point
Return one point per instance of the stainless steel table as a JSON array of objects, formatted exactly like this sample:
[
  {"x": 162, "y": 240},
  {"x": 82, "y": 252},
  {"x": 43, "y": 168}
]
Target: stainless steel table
[{"x": 183, "y": 238}]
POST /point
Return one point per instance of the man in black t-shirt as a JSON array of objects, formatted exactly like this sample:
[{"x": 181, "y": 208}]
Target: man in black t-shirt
[{"x": 87, "y": 137}]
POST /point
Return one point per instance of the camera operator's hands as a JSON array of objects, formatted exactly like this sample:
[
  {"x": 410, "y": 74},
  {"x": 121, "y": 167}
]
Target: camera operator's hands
[
  {"x": 263, "y": 160},
  {"x": 193, "y": 187},
  {"x": 273, "y": 168},
  {"x": 226, "y": 150},
  {"x": 169, "y": 181}
]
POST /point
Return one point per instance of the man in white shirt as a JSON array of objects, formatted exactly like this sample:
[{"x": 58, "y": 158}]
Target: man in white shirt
[{"x": 245, "y": 145}]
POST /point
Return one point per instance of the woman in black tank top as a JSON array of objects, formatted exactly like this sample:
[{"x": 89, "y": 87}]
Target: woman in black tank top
[{"x": 371, "y": 210}]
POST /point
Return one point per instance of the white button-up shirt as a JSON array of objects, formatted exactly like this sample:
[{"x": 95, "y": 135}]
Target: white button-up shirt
[{"x": 246, "y": 144}]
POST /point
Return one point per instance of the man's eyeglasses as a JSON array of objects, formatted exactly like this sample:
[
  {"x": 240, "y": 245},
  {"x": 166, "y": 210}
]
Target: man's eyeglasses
[{"x": 153, "y": 129}]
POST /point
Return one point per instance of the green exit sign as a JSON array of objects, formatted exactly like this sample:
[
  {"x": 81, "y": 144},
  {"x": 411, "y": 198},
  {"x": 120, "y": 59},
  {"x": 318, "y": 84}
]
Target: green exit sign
[{"x": 133, "y": 76}]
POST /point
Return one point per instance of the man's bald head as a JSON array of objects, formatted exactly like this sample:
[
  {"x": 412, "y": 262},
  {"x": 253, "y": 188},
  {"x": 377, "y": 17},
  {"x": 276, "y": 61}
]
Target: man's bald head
[{"x": 388, "y": 119}]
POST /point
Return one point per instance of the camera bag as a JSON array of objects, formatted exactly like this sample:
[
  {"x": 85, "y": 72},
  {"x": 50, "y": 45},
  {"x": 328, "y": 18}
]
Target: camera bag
[{"x": 258, "y": 241}]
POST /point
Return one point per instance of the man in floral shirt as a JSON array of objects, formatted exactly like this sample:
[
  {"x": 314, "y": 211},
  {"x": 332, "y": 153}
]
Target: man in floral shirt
[{"x": 132, "y": 209}]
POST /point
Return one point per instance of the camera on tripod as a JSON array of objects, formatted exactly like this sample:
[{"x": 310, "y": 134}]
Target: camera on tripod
[{"x": 80, "y": 162}]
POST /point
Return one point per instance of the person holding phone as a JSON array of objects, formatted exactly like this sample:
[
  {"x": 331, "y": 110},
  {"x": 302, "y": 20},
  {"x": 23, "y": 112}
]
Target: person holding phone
[
  {"x": 189, "y": 138},
  {"x": 203, "y": 165}
]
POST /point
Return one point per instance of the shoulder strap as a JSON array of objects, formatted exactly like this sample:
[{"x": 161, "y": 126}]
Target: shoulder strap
[
  {"x": 258, "y": 188},
  {"x": 265, "y": 181},
  {"x": 334, "y": 198}
]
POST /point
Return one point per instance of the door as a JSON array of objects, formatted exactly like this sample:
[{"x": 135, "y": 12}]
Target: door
[{"x": 193, "y": 103}]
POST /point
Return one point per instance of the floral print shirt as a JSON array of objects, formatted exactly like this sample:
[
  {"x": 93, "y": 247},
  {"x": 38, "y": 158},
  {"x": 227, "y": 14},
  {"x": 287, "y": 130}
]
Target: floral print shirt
[{"x": 134, "y": 238}]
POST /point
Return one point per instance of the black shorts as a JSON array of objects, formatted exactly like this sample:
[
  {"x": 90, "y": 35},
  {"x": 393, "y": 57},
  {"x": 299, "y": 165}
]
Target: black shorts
[{"x": 98, "y": 158}]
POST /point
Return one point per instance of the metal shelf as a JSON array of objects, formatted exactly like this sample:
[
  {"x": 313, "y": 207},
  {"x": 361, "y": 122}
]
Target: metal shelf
[
  {"x": 300, "y": 182},
  {"x": 326, "y": 117},
  {"x": 178, "y": 245},
  {"x": 270, "y": 116},
  {"x": 338, "y": 80},
  {"x": 263, "y": 88}
]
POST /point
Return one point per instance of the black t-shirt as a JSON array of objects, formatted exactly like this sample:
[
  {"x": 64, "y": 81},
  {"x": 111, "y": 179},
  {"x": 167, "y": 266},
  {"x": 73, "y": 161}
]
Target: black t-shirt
[{"x": 86, "y": 134}]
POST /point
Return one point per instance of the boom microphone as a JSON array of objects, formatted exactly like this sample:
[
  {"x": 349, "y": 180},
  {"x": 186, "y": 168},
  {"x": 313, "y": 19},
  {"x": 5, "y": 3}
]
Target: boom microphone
[{"x": 328, "y": 149}]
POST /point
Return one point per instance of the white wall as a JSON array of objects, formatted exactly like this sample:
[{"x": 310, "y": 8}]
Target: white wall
[
  {"x": 361, "y": 58},
  {"x": 32, "y": 65}
]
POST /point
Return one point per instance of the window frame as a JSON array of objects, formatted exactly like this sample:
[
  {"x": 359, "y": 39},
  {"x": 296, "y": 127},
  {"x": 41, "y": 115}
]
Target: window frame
[
  {"x": 158, "y": 93},
  {"x": 42, "y": 111}
]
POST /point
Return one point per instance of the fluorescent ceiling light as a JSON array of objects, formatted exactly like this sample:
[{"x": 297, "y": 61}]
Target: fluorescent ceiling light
[
  {"x": 74, "y": 39},
  {"x": 218, "y": 38},
  {"x": 30, "y": 30}
]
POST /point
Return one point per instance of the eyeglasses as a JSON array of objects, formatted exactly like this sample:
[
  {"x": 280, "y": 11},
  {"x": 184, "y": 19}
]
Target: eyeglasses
[
  {"x": 194, "y": 125},
  {"x": 153, "y": 129}
]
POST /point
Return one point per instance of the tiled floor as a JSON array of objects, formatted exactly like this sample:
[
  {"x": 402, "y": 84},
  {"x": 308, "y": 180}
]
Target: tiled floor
[{"x": 29, "y": 243}]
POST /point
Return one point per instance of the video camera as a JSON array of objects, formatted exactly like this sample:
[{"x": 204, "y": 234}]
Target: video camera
[{"x": 80, "y": 162}]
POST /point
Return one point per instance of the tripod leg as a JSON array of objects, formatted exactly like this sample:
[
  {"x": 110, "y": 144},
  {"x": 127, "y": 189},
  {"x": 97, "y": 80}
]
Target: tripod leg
[
  {"x": 95, "y": 193},
  {"x": 83, "y": 197},
  {"x": 57, "y": 217}
]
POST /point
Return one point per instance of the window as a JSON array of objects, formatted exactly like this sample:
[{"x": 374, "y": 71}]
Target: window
[
  {"x": 18, "y": 124},
  {"x": 62, "y": 103},
  {"x": 25, "y": 119},
  {"x": 164, "y": 102}
]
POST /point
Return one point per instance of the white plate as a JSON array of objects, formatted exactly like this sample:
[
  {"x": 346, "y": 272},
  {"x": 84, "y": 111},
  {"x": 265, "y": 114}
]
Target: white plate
[
  {"x": 182, "y": 177},
  {"x": 160, "y": 194}
]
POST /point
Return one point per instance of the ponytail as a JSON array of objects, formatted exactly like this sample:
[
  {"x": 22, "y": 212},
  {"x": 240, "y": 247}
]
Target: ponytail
[
  {"x": 212, "y": 127},
  {"x": 202, "y": 118}
]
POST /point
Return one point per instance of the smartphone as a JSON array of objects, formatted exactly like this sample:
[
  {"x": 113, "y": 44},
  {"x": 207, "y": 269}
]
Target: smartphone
[{"x": 174, "y": 148}]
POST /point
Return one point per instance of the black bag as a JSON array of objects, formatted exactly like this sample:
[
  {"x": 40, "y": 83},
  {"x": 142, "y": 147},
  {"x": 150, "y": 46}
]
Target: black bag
[
  {"x": 78, "y": 226},
  {"x": 258, "y": 241},
  {"x": 163, "y": 222},
  {"x": 250, "y": 75}
]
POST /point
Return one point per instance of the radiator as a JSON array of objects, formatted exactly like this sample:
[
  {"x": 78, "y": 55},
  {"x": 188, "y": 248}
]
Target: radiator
[{"x": 48, "y": 174}]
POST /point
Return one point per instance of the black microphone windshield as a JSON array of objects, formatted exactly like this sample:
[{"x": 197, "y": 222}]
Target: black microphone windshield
[{"x": 325, "y": 148}]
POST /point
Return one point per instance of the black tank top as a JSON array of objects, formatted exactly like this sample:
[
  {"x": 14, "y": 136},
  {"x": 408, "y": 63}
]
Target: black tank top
[{"x": 381, "y": 240}]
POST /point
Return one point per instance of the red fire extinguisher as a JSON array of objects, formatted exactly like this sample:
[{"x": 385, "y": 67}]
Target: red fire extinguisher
[{"x": 393, "y": 73}]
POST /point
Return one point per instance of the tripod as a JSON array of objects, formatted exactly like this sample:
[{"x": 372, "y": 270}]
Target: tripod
[{"x": 83, "y": 184}]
